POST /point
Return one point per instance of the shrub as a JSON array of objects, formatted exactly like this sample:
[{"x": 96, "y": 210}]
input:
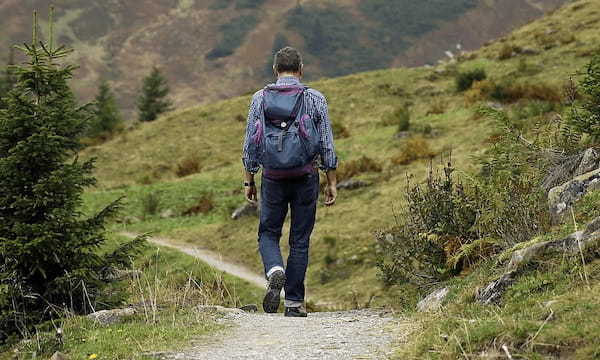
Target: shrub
[
  {"x": 507, "y": 51},
  {"x": 151, "y": 204},
  {"x": 352, "y": 168},
  {"x": 399, "y": 117},
  {"x": 438, "y": 106},
  {"x": 188, "y": 166},
  {"x": 203, "y": 206},
  {"x": 464, "y": 80},
  {"x": 509, "y": 92},
  {"x": 415, "y": 148},
  {"x": 438, "y": 220},
  {"x": 584, "y": 117},
  {"x": 339, "y": 130}
]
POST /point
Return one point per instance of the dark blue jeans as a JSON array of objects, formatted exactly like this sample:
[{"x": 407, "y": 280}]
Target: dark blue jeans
[{"x": 300, "y": 195}]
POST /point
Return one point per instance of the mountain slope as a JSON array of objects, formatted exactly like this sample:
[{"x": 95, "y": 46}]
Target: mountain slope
[
  {"x": 216, "y": 49},
  {"x": 144, "y": 162}
]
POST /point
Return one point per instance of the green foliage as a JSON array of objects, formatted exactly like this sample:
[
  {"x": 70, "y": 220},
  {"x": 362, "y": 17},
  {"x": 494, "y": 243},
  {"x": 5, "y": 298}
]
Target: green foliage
[
  {"x": 585, "y": 113},
  {"x": 440, "y": 217},
  {"x": 232, "y": 36},
  {"x": 464, "y": 80},
  {"x": 153, "y": 100},
  {"x": 49, "y": 251},
  {"x": 410, "y": 18},
  {"x": 279, "y": 43},
  {"x": 151, "y": 204},
  {"x": 334, "y": 41},
  {"x": 399, "y": 117},
  {"x": 239, "y": 4},
  {"x": 106, "y": 113},
  {"x": 7, "y": 79}
]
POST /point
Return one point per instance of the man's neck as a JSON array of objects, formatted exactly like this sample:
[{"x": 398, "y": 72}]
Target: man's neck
[{"x": 284, "y": 75}]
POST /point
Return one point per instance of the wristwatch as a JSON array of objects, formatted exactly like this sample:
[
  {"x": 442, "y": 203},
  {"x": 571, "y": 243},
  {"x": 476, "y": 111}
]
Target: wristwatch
[{"x": 251, "y": 183}]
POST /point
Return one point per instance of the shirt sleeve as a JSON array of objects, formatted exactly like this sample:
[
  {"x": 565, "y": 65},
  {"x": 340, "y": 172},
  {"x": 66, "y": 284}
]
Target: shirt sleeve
[
  {"x": 249, "y": 160},
  {"x": 328, "y": 156}
]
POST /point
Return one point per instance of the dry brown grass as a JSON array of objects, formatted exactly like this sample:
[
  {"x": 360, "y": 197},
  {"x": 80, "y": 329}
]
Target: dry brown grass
[
  {"x": 188, "y": 166},
  {"x": 352, "y": 168},
  {"x": 415, "y": 148},
  {"x": 438, "y": 106},
  {"x": 507, "y": 51},
  {"x": 508, "y": 92}
]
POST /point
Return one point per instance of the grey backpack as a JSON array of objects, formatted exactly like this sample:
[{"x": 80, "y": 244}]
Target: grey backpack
[{"x": 287, "y": 140}]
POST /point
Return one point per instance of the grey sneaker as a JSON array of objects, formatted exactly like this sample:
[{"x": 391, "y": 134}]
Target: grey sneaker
[
  {"x": 295, "y": 312},
  {"x": 271, "y": 300}
]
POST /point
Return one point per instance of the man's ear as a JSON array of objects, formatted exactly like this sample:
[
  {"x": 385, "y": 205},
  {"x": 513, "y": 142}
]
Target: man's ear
[
  {"x": 275, "y": 71},
  {"x": 301, "y": 73}
]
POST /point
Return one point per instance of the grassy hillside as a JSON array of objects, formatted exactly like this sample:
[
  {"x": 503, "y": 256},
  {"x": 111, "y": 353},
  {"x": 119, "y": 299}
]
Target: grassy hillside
[
  {"x": 214, "y": 49},
  {"x": 169, "y": 286},
  {"x": 143, "y": 163}
]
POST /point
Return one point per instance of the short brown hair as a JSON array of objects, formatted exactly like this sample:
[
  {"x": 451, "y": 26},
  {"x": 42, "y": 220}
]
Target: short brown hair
[{"x": 288, "y": 59}]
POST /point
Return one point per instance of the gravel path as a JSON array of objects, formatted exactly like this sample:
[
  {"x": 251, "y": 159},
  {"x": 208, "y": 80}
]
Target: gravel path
[
  {"x": 362, "y": 334},
  {"x": 209, "y": 257}
]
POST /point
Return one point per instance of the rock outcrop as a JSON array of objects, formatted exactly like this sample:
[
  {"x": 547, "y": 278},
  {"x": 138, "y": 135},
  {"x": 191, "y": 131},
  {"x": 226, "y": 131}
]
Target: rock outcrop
[
  {"x": 578, "y": 241},
  {"x": 107, "y": 317},
  {"x": 560, "y": 198},
  {"x": 433, "y": 301},
  {"x": 351, "y": 184},
  {"x": 245, "y": 210}
]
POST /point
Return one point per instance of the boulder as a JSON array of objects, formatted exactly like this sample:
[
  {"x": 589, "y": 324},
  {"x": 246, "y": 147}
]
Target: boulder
[
  {"x": 493, "y": 292},
  {"x": 250, "y": 308},
  {"x": 245, "y": 210},
  {"x": 572, "y": 244},
  {"x": 59, "y": 356},
  {"x": 560, "y": 198},
  {"x": 351, "y": 184},
  {"x": 529, "y": 51},
  {"x": 119, "y": 274},
  {"x": 107, "y": 317},
  {"x": 169, "y": 213},
  {"x": 590, "y": 161},
  {"x": 402, "y": 134},
  {"x": 433, "y": 301}
]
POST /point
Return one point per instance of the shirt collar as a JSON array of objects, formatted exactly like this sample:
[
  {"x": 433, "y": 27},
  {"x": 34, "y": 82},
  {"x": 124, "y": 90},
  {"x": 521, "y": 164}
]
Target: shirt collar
[{"x": 288, "y": 80}]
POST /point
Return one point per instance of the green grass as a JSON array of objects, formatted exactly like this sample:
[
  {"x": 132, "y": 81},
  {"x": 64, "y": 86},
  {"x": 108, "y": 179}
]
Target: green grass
[
  {"x": 178, "y": 282},
  {"x": 360, "y": 102},
  {"x": 551, "y": 311}
]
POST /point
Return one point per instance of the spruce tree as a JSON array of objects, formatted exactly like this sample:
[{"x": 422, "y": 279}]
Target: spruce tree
[
  {"x": 52, "y": 255},
  {"x": 7, "y": 80},
  {"x": 153, "y": 100},
  {"x": 106, "y": 113}
]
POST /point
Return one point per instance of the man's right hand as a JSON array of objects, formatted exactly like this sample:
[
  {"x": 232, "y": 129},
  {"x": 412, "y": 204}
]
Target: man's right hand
[{"x": 251, "y": 194}]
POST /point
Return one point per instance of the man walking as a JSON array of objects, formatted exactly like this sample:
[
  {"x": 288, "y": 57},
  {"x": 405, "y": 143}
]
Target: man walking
[{"x": 289, "y": 135}]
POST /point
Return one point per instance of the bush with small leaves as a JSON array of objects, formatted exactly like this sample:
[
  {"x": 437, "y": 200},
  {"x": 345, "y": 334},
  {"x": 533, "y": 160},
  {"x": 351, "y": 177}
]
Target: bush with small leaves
[
  {"x": 464, "y": 80},
  {"x": 415, "y": 148}
]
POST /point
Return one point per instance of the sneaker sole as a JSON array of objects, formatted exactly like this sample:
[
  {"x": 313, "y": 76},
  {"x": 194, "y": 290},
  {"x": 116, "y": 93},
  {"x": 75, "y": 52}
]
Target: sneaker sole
[{"x": 272, "y": 297}]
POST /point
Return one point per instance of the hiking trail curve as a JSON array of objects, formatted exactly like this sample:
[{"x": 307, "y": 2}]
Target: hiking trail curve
[{"x": 356, "y": 334}]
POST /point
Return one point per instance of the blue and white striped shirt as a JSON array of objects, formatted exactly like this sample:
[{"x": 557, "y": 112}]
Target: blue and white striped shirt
[{"x": 316, "y": 108}]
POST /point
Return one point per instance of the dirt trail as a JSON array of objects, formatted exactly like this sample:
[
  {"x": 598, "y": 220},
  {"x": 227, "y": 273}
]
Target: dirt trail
[
  {"x": 209, "y": 257},
  {"x": 362, "y": 334}
]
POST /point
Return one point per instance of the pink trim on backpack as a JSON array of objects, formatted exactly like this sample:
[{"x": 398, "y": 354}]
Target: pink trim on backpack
[{"x": 302, "y": 126}]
